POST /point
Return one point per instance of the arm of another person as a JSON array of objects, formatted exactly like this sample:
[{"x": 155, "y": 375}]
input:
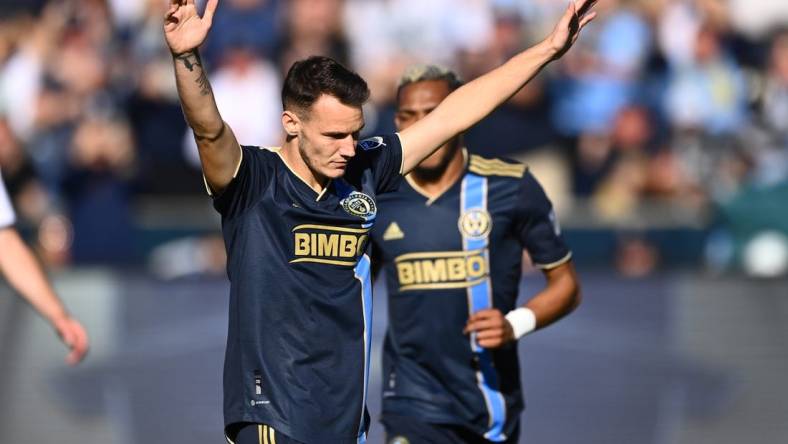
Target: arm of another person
[
  {"x": 25, "y": 275},
  {"x": 472, "y": 102},
  {"x": 185, "y": 31},
  {"x": 560, "y": 297}
]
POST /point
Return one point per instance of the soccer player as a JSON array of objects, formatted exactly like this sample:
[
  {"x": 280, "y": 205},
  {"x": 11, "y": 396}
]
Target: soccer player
[
  {"x": 450, "y": 242},
  {"x": 296, "y": 223},
  {"x": 19, "y": 266}
]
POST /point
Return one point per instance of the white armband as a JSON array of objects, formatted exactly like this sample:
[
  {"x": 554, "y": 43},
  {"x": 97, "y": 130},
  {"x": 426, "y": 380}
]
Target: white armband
[{"x": 522, "y": 320}]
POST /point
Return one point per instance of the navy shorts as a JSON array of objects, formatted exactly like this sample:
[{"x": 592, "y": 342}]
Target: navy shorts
[
  {"x": 249, "y": 433},
  {"x": 411, "y": 430}
]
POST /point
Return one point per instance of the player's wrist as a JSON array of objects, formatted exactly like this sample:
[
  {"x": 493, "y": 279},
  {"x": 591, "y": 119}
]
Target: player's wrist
[
  {"x": 522, "y": 320},
  {"x": 184, "y": 53}
]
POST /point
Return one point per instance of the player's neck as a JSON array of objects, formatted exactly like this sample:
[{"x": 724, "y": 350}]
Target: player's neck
[
  {"x": 293, "y": 160},
  {"x": 435, "y": 185}
]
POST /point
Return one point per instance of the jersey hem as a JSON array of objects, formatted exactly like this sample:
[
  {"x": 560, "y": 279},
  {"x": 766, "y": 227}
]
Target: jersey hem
[
  {"x": 431, "y": 418},
  {"x": 287, "y": 430}
]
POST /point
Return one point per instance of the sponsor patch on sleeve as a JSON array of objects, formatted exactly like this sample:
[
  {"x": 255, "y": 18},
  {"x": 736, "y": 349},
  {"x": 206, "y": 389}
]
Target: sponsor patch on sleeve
[{"x": 372, "y": 143}]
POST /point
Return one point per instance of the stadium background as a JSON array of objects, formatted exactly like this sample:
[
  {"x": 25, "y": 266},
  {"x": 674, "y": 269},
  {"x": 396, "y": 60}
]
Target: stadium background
[{"x": 662, "y": 138}]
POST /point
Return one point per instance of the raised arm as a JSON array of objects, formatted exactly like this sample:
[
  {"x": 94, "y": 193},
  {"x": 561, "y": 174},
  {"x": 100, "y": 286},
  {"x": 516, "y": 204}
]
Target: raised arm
[
  {"x": 475, "y": 100},
  {"x": 184, "y": 31},
  {"x": 24, "y": 274}
]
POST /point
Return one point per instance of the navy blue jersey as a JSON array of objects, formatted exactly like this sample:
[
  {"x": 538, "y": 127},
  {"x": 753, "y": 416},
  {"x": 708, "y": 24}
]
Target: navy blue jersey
[
  {"x": 300, "y": 296},
  {"x": 444, "y": 259}
]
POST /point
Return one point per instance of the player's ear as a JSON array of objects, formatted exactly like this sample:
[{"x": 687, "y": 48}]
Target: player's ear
[{"x": 291, "y": 123}]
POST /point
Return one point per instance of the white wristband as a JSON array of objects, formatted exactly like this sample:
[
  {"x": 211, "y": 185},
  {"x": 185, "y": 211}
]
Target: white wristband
[{"x": 522, "y": 320}]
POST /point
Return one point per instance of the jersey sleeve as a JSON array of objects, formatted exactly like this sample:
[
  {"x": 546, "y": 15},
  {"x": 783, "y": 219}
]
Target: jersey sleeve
[
  {"x": 247, "y": 185},
  {"x": 7, "y": 216},
  {"x": 383, "y": 155},
  {"x": 537, "y": 226}
]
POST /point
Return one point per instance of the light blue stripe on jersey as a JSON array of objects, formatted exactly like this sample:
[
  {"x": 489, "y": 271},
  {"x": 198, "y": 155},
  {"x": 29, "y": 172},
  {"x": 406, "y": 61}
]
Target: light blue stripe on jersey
[
  {"x": 474, "y": 196},
  {"x": 362, "y": 271}
]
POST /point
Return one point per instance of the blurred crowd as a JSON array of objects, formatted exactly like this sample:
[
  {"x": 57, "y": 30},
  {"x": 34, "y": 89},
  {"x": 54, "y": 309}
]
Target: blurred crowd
[{"x": 683, "y": 103}]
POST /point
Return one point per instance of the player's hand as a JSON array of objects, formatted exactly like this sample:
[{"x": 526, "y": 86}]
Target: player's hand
[
  {"x": 577, "y": 16},
  {"x": 184, "y": 29},
  {"x": 73, "y": 334},
  {"x": 491, "y": 328}
]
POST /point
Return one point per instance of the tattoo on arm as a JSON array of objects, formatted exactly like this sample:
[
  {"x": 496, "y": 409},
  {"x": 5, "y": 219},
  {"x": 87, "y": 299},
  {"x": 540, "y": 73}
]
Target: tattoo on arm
[{"x": 192, "y": 61}]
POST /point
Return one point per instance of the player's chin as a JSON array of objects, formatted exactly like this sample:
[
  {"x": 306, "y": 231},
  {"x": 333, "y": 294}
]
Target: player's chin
[{"x": 335, "y": 171}]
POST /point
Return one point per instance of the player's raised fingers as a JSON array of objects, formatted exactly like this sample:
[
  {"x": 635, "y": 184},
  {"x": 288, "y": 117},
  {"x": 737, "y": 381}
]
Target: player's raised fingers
[
  {"x": 210, "y": 10},
  {"x": 585, "y": 6},
  {"x": 170, "y": 12},
  {"x": 585, "y": 20},
  {"x": 568, "y": 15}
]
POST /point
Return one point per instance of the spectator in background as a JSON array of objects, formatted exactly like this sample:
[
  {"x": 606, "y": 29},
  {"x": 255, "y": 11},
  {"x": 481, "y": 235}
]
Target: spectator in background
[
  {"x": 399, "y": 33},
  {"x": 767, "y": 138},
  {"x": 707, "y": 93},
  {"x": 24, "y": 187},
  {"x": 26, "y": 43},
  {"x": 24, "y": 274},
  {"x": 602, "y": 77},
  {"x": 522, "y": 123},
  {"x": 613, "y": 167},
  {"x": 255, "y": 22},
  {"x": 247, "y": 89},
  {"x": 154, "y": 111},
  {"x": 312, "y": 27},
  {"x": 97, "y": 186},
  {"x": 774, "y": 105}
]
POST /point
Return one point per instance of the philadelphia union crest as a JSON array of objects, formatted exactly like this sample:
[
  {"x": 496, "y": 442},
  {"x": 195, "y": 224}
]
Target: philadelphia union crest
[
  {"x": 359, "y": 204},
  {"x": 475, "y": 224}
]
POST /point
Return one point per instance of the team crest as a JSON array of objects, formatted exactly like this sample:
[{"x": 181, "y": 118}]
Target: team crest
[
  {"x": 371, "y": 143},
  {"x": 475, "y": 224},
  {"x": 359, "y": 204}
]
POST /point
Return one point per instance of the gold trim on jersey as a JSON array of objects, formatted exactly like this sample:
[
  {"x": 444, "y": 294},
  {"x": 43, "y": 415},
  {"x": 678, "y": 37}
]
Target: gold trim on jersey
[
  {"x": 555, "y": 264},
  {"x": 320, "y": 193},
  {"x": 436, "y": 254},
  {"x": 324, "y": 261},
  {"x": 495, "y": 167},
  {"x": 442, "y": 286},
  {"x": 402, "y": 154},
  {"x": 330, "y": 228},
  {"x": 235, "y": 173}
]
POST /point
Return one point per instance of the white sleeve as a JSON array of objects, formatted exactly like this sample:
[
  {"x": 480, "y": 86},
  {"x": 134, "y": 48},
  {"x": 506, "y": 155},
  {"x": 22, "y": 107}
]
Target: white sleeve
[{"x": 7, "y": 216}]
